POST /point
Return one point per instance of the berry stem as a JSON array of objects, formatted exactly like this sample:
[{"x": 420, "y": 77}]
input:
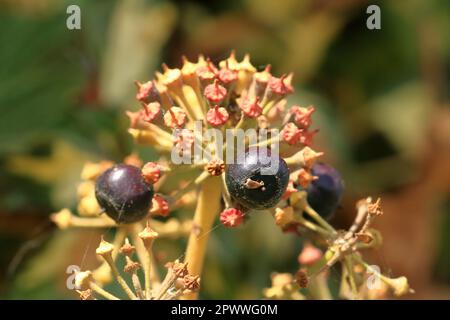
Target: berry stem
[
  {"x": 313, "y": 214},
  {"x": 318, "y": 287},
  {"x": 119, "y": 278},
  {"x": 137, "y": 286},
  {"x": 147, "y": 272},
  {"x": 145, "y": 257},
  {"x": 102, "y": 292},
  {"x": 100, "y": 222},
  {"x": 348, "y": 264},
  {"x": 225, "y": 193},
  {"x": 312, "y": 226},
  {"x": 208, "y": 208}
]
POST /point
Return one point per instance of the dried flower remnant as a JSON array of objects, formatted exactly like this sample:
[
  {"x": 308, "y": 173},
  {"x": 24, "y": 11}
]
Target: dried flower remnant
[
  {"x": 152, "y": 290},
  {"x": 215, "y": 167}
]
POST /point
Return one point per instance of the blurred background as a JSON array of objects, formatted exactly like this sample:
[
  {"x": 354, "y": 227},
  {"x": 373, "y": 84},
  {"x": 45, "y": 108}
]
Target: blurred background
[{"x": 383, "y": 113}]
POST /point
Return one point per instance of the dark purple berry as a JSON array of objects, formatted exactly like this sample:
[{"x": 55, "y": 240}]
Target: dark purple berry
[
  {"x": 123, "y": 193},
  {"x": 325, "y": 193},
  {"x": 252, "y": 189}
]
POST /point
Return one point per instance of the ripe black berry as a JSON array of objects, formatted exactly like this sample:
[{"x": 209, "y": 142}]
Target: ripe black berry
[
  {"x": 248, "y": 186},
  {"x": 123, "y": 193},
  {"x": 325, "y": 193}
]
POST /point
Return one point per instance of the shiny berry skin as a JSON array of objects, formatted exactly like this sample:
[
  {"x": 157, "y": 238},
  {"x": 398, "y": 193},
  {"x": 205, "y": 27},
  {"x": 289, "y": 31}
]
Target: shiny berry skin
[
  {"x": 325, "y": 193},
  {"x": 123, "y": 193},
  {"x": 252, "y": 189}
]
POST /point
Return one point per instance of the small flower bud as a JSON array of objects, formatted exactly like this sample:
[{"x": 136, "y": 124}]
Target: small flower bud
[
  {"x": 290, "y": 189},
  {"x": 217, "y": 116},
  {"x": 294, "y": 136},
  {"x": 309, "y": 255},
  {"x": 230, "y": 62},
  {"x": 147, "y": 92},
  {"x": 251, "y": 107},
  {"x": 307, "y": 137},
  {"x": 205, "y": 74},
  {"x": 263, "y": 122},
  {"x": 284, "y": 216},
  {"x": 291, "y": 133},
  {"x": 275, "y": 113},
  {"x": 172, "y": 78},
  {"x": 62, "y": 218},
  {"x": 88, "y": 206},
  {"x": 133, "y": 160},
  {"x": 400, "y": 286},
  {"x": 82, "y": 279},
  {"x": 298, "y": 199},
  {"x": 135, "y": 119},
  {"x": 151, "y": 111},
  {"x": 92, "y": 170},
  {"x": 160, "y": 206},
  {"x": 281, "y": 279},
  {"x": 227, "y": 76},
  {"x": 264, "y": 76},
  {"x": 175, "y": 117},
  {"x": 231, "y": 217},
  {"x": 151, "y": 172},
  {"x": 302, "y": 116},
  {"x": 304, "y": 178},
  {"x": 215, "y": 93},
  {"x": 280, "y": 86},
  {"x": 309, "y": 156}
]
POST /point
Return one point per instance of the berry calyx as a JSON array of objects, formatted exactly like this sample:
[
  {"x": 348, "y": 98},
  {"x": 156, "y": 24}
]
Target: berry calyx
[
  {"x": 248, "y": 186},
  {"x": 325, "y": 193},
  {"x": 123, "y": 193}
]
